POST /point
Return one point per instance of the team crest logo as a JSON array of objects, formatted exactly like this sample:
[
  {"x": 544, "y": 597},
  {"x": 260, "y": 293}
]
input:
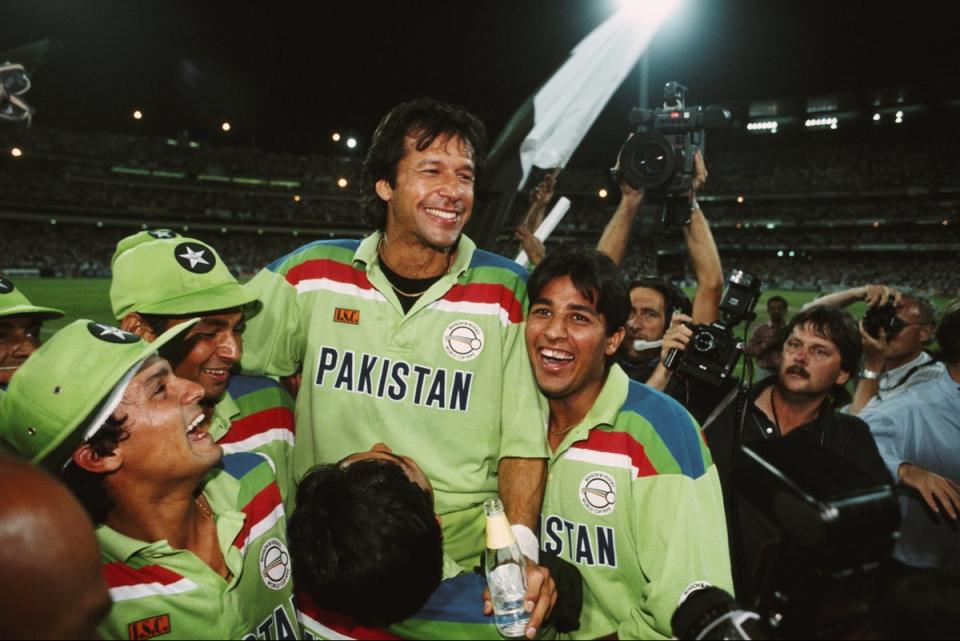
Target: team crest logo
[
  {"x": 160, "y": 234},
  {"x": 275, "y": 564},
  {"x": 111, "y": 334},
  {"x": 195, "y": 258},
  {"x": 598, "y": 493},
  {"x": 5, "y": 286},
  {"x": 463, "y": 340}
]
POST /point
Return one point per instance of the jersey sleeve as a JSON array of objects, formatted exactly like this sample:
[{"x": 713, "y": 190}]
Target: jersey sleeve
[
  {"x": 274, "y": 340},
  {"x": 522, "y": 422},
  {"x": 681, "y": 540}
]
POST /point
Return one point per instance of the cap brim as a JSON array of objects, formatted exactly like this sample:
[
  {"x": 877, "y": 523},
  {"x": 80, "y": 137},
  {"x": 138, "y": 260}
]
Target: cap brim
[
  {"x": 225, "y": 296},
  {"x": 55, "y": 455},
  {"x": 44, "y": 313}
]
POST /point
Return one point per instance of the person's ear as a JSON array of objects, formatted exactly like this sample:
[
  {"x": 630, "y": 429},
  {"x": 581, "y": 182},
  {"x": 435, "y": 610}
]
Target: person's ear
[
  {"x": 86, "y": 459},
  {"x": 135, "y": 324},
  {"x": 843, "y": 378},
  {"x": 384, "y": 190},
  {"x": 614, "y": 341}
]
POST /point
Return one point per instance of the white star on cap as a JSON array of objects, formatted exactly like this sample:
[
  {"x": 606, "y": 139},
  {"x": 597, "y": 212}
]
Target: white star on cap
[
  {"x": 195, "y": 257},
  {"x": 112, "y": 331},
  {"x": 163, "y": 233}
]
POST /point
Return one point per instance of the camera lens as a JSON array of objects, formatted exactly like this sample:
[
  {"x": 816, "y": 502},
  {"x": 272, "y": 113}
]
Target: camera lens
[
  {"x": 647, "y": 161},
  {"x": 704, "y": 342}
]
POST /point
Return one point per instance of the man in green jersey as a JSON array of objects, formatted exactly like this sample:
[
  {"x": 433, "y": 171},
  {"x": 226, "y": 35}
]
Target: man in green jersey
[
  {"x": 20, "y": 322},
  {"x": 413, "y": 336},
  {"x": 193, "y": 544},
  {"x": 632, "y": 496},
  {"x": 160, "y": 280}
]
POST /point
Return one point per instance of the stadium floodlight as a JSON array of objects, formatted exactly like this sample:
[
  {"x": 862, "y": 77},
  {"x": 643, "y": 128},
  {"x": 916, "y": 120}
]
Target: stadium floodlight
[
  {"x": 780, "y": 253},
  {"x": 771, "y": 225},
  {"x": 653, "y": 12},
  {"x": 351, "y": 142},
  {"x": 603, "y": 193},
  {"x": 137, "y": 114},
  {"x": 225, "y": 126},
  {"x": 53, "y": 221},
  {"x": 770, "y": 126},
  {"x": 16, "y": 152},
  {"x": 296, "y": 198},
  {"x": 740, "y": 200},
  {"x": 335, "y": 136},
  {"x": 830, "y": 122},
  {"x": 876, "y": 117},
  {"x": 342, "y": 183}
]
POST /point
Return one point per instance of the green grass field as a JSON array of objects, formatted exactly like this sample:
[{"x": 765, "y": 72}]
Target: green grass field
[{"x": 90, "y": 298}]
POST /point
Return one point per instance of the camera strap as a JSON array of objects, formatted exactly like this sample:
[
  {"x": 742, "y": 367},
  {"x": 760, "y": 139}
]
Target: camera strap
[{"x": 908, "y": 375}]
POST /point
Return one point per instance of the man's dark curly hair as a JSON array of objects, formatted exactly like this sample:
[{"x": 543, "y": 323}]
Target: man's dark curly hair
[
  {"x": 365, "y": 541},
  {"x": 425, "y": 120}
]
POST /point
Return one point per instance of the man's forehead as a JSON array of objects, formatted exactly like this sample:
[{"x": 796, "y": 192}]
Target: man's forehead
[
  {"x": 812, "y": 334},
  {"x": 445, "y": 142},
  {"x": 641, "y": 295},
  {"x": 19, "y": 321}
]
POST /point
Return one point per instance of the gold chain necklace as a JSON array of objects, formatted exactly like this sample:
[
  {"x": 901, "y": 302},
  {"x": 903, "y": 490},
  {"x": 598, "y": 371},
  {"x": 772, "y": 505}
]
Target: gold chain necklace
[
  {"x": 204, "y": 509},
  {"x": 400, "y": 291}
]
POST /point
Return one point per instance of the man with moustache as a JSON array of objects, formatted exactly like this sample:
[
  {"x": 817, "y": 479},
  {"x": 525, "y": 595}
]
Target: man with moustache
[
  {"x": 413, "y": 336},
  {"x": 820, "y": 352}
]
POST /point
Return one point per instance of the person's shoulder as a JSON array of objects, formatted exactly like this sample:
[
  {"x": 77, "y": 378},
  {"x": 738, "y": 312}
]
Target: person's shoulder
[
  {"x": 339, "y": 251},
  {"x": 663, "y": 429},
  {"x": 249, "y": 467},
  {"x": 241, "y": 385},
  {"x": 487, "y": 265}
]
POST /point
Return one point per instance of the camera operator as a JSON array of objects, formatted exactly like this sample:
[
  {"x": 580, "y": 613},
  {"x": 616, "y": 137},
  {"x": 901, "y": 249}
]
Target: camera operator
[
  {"x": 918, "y": 435},
  {"x": 821, "y": 351},
  {"x": 658, "y": 308},
  {"x": 894, "y": 358}
]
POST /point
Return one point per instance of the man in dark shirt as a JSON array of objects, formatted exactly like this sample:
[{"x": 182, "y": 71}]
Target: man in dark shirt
[{"x": 821, "y": 351}]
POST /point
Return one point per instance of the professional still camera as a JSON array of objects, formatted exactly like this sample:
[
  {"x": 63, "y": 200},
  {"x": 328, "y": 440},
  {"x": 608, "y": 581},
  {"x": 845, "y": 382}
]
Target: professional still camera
[
  {"x": 714, "y": 351},
  {"x": 658, "y": 158},
  {"x": 883, "y": 317}
]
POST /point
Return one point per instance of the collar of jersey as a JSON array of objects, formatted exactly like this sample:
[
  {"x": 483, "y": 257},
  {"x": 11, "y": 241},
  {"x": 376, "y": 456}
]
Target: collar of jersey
[
  {"x": 604, "y": 410},
  {"x": 367, "y": 253},
  {"x": 223, "y": 415}
]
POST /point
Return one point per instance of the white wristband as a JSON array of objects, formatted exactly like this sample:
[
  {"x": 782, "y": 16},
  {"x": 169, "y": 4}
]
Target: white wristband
[{"x": 527, "y": 541}]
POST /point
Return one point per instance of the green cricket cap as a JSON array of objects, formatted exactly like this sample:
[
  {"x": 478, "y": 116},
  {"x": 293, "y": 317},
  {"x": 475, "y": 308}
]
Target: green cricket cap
[
  {"x": 14, "y": 303},
  {"x": 173, "y": 277},
  {"x": 59, "y": 397}
]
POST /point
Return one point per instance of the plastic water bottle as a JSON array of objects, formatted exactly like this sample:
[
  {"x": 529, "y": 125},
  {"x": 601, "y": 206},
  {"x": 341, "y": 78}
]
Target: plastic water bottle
[{"x": 506, "y": 570}]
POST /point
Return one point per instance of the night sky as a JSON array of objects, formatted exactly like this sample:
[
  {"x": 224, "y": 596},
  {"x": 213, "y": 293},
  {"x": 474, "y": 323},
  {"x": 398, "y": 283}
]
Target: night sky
[{"x": 287, "y": 74}]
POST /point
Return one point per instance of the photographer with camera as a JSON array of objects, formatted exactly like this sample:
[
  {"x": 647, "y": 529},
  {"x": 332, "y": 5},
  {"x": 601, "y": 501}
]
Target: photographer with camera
[
  {"x": 918, "y": 435},
  {"x": 895, "y": 330},
  {"x": 821, "y": 351}
]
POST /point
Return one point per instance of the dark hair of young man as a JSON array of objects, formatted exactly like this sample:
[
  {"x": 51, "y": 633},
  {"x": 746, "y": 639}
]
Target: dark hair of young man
[
  {"x": 424, "y": 119},
  {"x": 834, "y": 325},
  {"x": 778, "y": 299},
  {"x": 365, "y": 542},
  {"x": 595, "y": 276},
  {"x": 87, "y": 486},
  {"x": 948, "y": 334}
]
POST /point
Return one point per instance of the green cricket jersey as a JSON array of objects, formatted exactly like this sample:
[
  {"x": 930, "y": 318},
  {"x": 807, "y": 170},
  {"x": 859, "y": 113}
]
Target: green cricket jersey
[
  {"x": 256, "y": 415},
  {"x": 160, "y": 592},
  {"x": 448, "y": 383},
  {"x": 634, "y": 500}
]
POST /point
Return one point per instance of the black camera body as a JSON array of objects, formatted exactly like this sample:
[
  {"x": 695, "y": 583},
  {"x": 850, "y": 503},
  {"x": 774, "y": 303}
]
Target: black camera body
[
  {"x": 658, "y": 158},
  {"x": 714, "y": 350},
  {"x": 883, "y": 317}
]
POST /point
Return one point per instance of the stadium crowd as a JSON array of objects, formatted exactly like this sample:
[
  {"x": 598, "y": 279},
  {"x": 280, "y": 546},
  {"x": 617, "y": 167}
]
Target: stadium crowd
[{"x": 310, "y": 454}]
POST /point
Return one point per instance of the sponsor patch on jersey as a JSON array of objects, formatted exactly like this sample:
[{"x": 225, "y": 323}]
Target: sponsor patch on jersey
[
  {"x": 275, "y": 564},
  {"x": 463, "y": 340},
  {"x": 346, "y": 316},
  {"x": 195, "y": 258},
  {"x": 5, "y": 286},
  {"x": 112, "y": 334},
  {"x": 149, "y": 628},
  {"x": 598, "y": 493}
]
